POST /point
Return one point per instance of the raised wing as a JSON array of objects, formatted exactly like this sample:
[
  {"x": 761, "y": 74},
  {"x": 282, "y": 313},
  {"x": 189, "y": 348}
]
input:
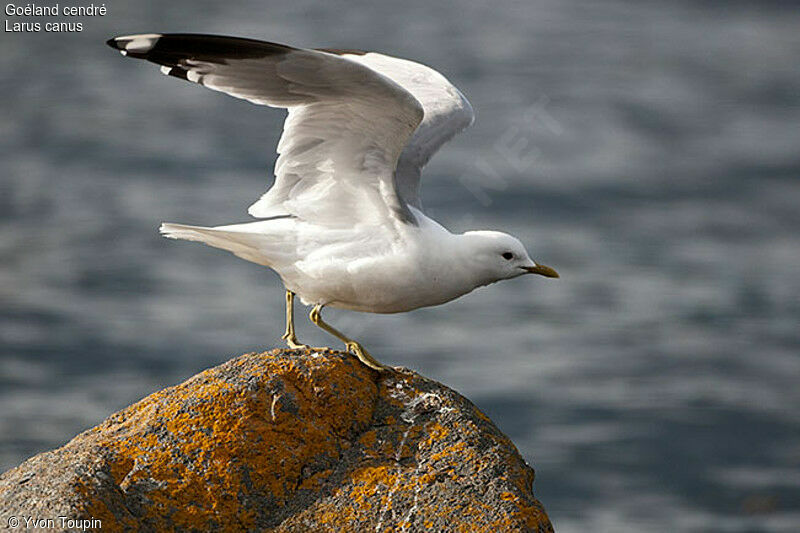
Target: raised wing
[
  {"x": 346, "y": 128},
  {"x": 447, "y": 112}
]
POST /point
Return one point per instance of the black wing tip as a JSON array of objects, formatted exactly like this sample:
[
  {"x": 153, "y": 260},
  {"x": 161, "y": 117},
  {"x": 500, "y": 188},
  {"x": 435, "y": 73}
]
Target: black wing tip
[
  {"x": 201, "y": 46},
  {"x": 177, "y": 72}
]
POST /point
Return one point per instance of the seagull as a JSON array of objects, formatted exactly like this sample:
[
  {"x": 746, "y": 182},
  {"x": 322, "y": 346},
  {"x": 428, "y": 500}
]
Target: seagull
[{"x": 343, "y": 223}]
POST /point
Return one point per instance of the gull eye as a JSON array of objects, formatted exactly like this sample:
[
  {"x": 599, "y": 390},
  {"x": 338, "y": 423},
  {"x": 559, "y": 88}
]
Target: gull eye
[{"x": 508, "y": 256}]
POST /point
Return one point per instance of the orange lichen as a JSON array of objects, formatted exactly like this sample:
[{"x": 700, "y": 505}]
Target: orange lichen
[
  {"x": 436, "y": 432},
  {"x": 451, "y": 452},
  {"x": 188, "y": 443},
  {"x": 482, "y": 416},
  {"x": 368, "y": 439},
  {"x": 208, "y": 453}
]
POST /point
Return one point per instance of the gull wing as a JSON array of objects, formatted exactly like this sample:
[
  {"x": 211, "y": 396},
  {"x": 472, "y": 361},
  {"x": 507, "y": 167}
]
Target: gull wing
[
  {"x": 447, "y": 112},
  {"x": 346, "y": 127}
]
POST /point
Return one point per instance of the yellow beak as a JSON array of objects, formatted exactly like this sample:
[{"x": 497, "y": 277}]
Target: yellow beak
[{"x": 542, "y": 270}]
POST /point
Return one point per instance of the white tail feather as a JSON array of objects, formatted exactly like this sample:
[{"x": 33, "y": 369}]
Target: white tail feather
[{"x": 241, "y": 244}]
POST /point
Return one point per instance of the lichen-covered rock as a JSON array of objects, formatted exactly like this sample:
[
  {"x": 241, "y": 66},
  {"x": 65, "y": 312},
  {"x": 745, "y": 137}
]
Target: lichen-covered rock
[{"x": 287, "y": 441}]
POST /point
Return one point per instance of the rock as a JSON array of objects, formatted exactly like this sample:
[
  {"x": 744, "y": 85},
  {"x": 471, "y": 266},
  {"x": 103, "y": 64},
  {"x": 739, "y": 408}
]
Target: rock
[{"x": 287, "y": 441}]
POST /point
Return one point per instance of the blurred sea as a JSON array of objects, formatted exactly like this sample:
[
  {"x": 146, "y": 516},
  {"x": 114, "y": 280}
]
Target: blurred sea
[{"x": 647, "y": 150}]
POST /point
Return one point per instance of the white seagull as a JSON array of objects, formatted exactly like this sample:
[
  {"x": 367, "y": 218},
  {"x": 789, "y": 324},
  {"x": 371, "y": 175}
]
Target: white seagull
[{"x": 343, "y": 224}]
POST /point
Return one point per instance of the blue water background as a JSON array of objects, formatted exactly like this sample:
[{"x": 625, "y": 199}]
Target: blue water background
[{"x": 649, "y": 150}]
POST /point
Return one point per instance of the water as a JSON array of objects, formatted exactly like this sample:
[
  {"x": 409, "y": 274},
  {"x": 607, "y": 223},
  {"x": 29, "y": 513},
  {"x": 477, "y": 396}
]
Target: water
[{"x": 647, "y": 150}]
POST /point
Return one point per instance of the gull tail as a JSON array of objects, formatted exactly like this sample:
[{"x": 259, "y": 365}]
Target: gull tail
[{"x": 236, "y": 239}]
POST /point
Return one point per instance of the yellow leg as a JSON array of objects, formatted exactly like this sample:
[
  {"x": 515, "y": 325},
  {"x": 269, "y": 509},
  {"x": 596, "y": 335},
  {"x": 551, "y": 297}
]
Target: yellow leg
[
  {"x": 352, "y": 346},
  {"x": 289, "y": 336}
]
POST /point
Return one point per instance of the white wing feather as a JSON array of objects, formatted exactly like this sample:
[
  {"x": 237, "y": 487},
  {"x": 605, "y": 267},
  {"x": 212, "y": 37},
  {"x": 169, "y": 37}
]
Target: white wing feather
[
  {"x": 360, "y": 128},
  {"x": 346, "y": 128},
  {"x": 447, "y": 112}
]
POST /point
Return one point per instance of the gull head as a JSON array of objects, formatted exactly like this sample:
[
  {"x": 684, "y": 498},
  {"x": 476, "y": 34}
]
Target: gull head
[{"x": 495, "y": 256}]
